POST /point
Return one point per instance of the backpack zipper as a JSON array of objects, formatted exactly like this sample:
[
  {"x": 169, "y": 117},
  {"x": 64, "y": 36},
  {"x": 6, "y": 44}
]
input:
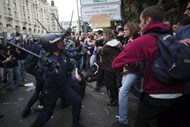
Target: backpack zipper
[{"x": 173, "y": 66}]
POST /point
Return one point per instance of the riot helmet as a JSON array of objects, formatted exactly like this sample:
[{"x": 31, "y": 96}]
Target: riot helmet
[
  {"x": 18, "y": 39},
  {"x": 35, "y": 39},
  {"x": 48, "y": 41}
]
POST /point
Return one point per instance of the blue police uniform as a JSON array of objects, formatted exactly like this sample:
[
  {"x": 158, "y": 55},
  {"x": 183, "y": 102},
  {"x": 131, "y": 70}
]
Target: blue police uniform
[{"x": 57, "y": 85}]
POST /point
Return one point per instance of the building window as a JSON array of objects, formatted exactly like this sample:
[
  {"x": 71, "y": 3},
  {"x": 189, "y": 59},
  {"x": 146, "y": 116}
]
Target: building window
[
  {"x": 15, "y": 14},
  {"x": 5, "y": 10},
  {"x": 8, "y": 2},
  {"x": 17, "y": 29},
  {"x": 28, "y": 12},
  {"x": 9, "y": 11},
  {"x": 24, "y": 16},
  {"x": 24, "y": 9},
  {"x": 1, "y": 28},
  {"x": 27, "y": 3},
  {"x": 21, "y": 8},
  {"x": 14, "y": 6}
]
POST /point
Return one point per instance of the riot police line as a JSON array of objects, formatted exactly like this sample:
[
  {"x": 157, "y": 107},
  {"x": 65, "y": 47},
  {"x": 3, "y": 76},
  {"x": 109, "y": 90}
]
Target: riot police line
[
  {"x": 53, "y": 73},
  {"x": 51, "y": 63},
  {"x": 50, "y": 66}
]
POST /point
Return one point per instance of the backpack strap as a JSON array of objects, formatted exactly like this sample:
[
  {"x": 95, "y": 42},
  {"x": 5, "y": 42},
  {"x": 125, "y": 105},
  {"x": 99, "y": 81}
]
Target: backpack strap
[
  {"x": 141, "y": 69},
  {"x": 154, "y": 34}
]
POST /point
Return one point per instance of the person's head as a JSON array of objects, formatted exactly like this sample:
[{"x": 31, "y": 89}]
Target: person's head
[
  {"x": 187, "y": 14},
  {"x": 151, "y": 14},
  {"x": 35, "y": 39},
  {"x": 130, "y": 29},
  {"x": 120, "y": 30},
  {"x": 98, "y": 33},
  {"x": 175, "y": 27},
  {"x": 52, "y": 42},
  {"x": 108, "y": 35},
  {"x": 79, "y": 38},
  {"x": 67, "y": 35},
  {"x": 167, "y": 23},
  {"x": 89, "y": 37}
]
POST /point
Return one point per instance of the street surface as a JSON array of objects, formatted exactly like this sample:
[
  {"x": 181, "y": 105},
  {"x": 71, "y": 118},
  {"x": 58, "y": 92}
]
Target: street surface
[{"x": 94, "y": 113}]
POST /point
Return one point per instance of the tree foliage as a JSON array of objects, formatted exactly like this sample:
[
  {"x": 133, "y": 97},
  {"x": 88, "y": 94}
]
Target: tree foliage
[{"x": 131, "y": 9}]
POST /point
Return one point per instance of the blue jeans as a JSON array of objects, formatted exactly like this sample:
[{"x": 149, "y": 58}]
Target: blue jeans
[
  {"x": 80, "y": 63},
  {"x": 127, "y": 82},
  {"x": 16, "y": 73},
  {"x": 92, "y": 59},
  {"x": 21, "y": 69},
  {"x": 9, "y": 76}
]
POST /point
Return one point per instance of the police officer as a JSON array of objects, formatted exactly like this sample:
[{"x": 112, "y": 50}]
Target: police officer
[{"x": 56, "y": 81}]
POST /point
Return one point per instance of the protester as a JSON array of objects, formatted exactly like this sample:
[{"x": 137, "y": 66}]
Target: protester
[
  {"x": 109, "y": 51},
  {"x": 175, "y": 27},
  {"x": 130, "y": 75},
  {"x": 157, "y": 98},
  {"x": 10, "y": 64}
]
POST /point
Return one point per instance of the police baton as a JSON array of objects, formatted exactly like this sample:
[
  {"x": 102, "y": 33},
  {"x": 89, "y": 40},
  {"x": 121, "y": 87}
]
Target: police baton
[
  {"x": 58, "y": 22},
  {"x": 42, "y": 26},
  {"x": 21, "y": 48},
  {"x": 41, "y": 58},
  {"x": 71, "y": 22}
]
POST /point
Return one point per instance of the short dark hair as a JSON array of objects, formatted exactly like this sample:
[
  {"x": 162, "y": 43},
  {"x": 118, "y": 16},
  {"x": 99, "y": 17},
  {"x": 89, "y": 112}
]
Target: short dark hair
[
  {"x": 100, "y": 32},
  {"x": 120, "y": 29},
  {"x": 154, "y": 12}
]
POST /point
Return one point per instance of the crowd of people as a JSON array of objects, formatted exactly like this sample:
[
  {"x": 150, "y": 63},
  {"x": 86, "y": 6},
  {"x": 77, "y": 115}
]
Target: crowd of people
[{"x": 114, "y": 59}]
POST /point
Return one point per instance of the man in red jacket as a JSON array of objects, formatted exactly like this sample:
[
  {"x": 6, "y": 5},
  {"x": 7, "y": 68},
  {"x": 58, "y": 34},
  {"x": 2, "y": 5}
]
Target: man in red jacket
[{"x": 157, "y": 98}]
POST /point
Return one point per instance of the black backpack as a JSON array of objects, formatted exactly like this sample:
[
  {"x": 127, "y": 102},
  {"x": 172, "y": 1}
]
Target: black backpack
[
  {"x": 30, "y": 64},
  {"x": 172, "y": 63}
]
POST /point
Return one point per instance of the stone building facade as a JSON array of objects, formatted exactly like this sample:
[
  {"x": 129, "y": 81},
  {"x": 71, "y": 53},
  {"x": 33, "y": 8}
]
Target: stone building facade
[{"x": 20, "y": 16}]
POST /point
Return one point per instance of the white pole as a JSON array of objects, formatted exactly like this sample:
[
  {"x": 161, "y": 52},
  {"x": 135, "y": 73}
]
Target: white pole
[{"x": 78, "y": 16}]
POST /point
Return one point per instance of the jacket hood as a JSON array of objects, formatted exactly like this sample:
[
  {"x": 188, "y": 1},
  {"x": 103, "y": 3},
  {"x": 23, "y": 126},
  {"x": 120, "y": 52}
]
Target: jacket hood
[
  {"x": 156, "y": 27},
  {"x": 112, "y": 43}
]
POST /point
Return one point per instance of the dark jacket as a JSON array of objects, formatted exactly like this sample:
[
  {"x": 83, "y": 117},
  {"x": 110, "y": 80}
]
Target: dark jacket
[
  {"x": 56, "y": 73},
  {"x": 13, "y": 55},
  {"x": 108, "y": 54}
]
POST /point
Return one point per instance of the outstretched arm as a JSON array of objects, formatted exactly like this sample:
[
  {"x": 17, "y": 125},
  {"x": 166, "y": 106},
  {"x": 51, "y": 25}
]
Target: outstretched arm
[{"x": 185, "y": 42}]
